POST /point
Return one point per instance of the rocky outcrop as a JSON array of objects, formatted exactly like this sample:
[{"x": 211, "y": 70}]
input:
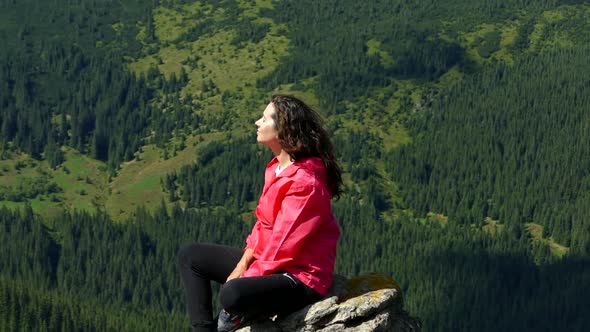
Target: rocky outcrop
[{"x": 369, "y": 303}]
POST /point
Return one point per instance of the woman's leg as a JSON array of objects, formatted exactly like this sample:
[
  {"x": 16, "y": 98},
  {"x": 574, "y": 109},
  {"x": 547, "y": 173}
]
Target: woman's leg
[
  {"x": 199, "y": 263},
  {"x": 266, "y": 296}
]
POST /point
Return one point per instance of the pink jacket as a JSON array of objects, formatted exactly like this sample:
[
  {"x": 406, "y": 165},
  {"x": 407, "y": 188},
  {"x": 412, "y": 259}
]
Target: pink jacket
[{"x": 295, "y": 230}]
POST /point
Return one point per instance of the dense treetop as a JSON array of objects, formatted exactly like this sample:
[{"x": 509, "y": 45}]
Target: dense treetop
[{"x": 126, "y": 130}]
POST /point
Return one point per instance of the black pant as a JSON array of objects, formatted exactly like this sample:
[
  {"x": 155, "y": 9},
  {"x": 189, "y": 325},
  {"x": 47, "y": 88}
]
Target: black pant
[{"x": 277, "y": 294}]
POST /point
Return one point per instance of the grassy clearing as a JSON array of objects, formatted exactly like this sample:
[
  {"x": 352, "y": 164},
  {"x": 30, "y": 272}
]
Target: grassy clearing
[
  {"x": 374, "y": 48},
  {"x": 536, "y": 233},
  {"x": 475, "y": 42},
  {"x": 142, "y": 65},
  {"x": 138, "y": 181},
  {"x": 46, "y": 208},
  {"x": 394, "y": 136},
  {"x": 253, "y": 10},
  {"x": 470, "y": 39},
  {"x": 375, "y": 117},
  {"x": 171, "y": 60},
  {"x": 308, "y": 95},
  {"x": 431, "y": 217},
  {"x": 509, "y": 33},
  {"x": 81, "y": 179},
  {"x": 42, "y": 207},
  {"x": 171, "y": 23},
  {"x": 11, "y": 170},
  {"x": 234, "y": 68},
  {"x": 561, "y": 27},
  {"x": 550, "y": 31},
  {"x": 84, "y": 181},
  {"x": 537, "y": 36},
  {"x": 449, "y": 78},
  {"x": 492, "y": 226},
  {"x": 231, "y": 68},
  {"x": 379, "y": 113},
  {"x": 437, "y": 217},
  {"x": 227, "y": 65}
]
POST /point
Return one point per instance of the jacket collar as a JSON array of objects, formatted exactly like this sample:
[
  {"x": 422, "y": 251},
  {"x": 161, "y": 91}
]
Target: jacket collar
[{"x": 313, "y": 163}]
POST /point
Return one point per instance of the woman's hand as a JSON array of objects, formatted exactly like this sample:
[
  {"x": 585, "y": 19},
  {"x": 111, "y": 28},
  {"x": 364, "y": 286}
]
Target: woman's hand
[
  {"x": 242, "y": 266},
  {"x": 237, "y": 272}
]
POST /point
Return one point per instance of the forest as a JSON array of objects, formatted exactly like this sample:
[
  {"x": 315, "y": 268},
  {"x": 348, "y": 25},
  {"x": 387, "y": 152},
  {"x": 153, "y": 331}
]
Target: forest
[{"x": 127, "y": 131}]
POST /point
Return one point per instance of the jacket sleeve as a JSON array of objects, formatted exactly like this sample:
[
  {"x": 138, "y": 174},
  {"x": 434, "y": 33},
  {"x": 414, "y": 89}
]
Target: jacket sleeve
[
  {"x": 301, "y": 212},
  {"x": 252, "y": 239}
]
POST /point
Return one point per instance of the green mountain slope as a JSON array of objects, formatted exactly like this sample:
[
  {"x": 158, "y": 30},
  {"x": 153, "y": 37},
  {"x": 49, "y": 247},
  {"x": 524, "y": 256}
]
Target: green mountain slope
[
  {"x": 459, "y": 124},
  {"x": 519, "y": 128}
]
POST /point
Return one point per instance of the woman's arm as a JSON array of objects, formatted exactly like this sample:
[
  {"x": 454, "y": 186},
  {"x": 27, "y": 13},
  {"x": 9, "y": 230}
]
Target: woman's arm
[
  {"x": 302, "y": 210},
  {"x": 242, "y": 265}
]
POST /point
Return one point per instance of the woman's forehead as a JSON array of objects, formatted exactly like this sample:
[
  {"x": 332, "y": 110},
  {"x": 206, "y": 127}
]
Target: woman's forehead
[{"x": 269, "y": 110}]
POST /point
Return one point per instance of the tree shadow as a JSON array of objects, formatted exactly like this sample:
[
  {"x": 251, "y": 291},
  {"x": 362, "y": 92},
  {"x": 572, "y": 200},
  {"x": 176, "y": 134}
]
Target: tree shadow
[{"x": 485, "y": 292}]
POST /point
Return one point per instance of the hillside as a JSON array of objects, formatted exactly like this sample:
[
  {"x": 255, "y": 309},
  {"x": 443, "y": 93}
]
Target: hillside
[{"x": 459, "y": 125}]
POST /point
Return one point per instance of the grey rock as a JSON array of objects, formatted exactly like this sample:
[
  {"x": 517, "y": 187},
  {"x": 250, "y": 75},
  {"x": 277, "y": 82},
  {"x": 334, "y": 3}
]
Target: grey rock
[
  {"x": 364, "y": 306},
  {"x": 371, "y": 303},
  {"x": 310, "y": 315}
]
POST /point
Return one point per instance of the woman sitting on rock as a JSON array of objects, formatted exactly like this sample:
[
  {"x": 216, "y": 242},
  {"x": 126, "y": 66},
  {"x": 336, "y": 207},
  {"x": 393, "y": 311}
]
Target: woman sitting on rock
[{"x": 289, "y": 256}]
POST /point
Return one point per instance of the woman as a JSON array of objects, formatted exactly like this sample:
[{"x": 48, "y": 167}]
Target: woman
[{"x": 289, "y": 257}]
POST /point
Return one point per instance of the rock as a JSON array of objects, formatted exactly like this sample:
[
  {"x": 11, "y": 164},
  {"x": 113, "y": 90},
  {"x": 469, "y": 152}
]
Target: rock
[
  {"x": 369, "y": 303},
  {"x": 365, "y": 305}
]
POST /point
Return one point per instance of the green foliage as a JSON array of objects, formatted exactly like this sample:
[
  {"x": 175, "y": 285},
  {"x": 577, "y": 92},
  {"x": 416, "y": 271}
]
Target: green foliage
[
  {"x": 341, "y": 59},
  {"x": 250, "y": 32},
  {"x": 54, "y": 154},
  {"x": 81, "y": 97},
  {"x": 26, "y": 307},
  {"x": 197, "y": 30},
  {"x": 489, "y": 44},
  {"x": 519, "y": 129},
  {"x": 502, "y": 145},
  {"x": 523, "y": 38},
  {"x": 89, "y": 262},
  {"x": 222, "y": 176},
  {"x": 28, "y": 188},
  {"x": 460, "y": 278},
  {"x": 128, "y": 275}
]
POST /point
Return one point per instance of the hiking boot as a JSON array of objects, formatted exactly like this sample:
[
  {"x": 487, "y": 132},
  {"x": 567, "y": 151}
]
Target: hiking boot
[{"x": 227, "y": 322}]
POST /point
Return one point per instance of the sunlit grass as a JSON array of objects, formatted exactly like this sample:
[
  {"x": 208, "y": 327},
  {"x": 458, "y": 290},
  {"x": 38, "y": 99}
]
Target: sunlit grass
[
  {"x": 81, "y": 180},
  {"x": 492, "y": 226},
  {"x": 138, "y": 181},
  {"x": 536, "y": 233}
]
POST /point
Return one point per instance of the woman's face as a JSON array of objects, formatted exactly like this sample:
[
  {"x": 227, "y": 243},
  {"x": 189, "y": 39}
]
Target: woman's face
[{"x": 267, "y": 133}]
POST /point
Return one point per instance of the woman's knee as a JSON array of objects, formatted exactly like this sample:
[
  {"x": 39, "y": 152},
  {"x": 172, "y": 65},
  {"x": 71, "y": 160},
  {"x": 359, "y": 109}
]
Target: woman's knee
[
  {"x": 230, "y": 295},
  {"x": 190, "y": 254}
]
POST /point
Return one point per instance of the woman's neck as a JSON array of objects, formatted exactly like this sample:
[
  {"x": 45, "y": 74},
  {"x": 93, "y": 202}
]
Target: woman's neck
[{"x": 284, "y": 159}]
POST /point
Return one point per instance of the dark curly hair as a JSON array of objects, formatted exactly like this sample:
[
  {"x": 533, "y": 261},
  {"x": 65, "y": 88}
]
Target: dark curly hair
[{"x": 301, "y": 134}]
